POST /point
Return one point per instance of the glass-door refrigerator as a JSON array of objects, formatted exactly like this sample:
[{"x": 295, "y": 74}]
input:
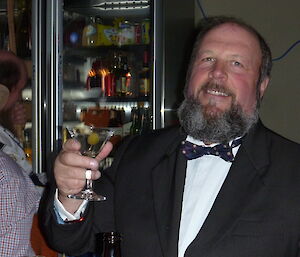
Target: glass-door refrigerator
[{"x": 116, "y": 64}]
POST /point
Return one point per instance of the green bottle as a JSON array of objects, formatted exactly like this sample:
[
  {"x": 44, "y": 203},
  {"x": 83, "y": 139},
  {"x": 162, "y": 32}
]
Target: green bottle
[{"x": 111, "y": 244}]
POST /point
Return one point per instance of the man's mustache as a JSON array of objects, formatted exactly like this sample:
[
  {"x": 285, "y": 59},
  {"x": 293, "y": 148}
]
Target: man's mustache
[{"x": 216, "y": 87}]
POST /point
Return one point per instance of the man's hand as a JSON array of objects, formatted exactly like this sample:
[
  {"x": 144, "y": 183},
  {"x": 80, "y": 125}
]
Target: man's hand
[
  {"x": 69, "y": 171},
  {"x": 18, "y": 114},
  {"x": 18, "y": 118}
]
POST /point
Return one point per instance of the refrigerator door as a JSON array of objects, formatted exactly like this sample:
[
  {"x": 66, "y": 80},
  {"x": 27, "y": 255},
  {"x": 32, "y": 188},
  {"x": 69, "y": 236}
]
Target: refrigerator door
[
  {"x": 46, "y": 92},
  {"x": 84, "y": 51},
  {"x": 38, "y": 88},
  {"x": 173, "y": 37},
  {"x": 52, "y": 75}
]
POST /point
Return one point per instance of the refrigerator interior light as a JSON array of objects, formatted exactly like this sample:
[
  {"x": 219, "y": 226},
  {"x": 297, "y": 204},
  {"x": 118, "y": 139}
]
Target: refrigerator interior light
[
  {"x": 108, "y": 8},
  {"x": 123, "y": 5}
]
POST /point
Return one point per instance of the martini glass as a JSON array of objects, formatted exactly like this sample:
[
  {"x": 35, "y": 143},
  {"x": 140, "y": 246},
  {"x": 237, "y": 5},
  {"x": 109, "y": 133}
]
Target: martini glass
[{"x": 92, "y": 141}]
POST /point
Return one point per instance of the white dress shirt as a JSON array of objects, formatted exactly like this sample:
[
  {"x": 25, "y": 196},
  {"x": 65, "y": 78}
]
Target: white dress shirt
[
  {"x": 64, "y": 215},
  {"x": 203, "y": 181}
]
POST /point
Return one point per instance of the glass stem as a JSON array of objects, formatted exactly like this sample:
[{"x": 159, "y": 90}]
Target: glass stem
[{"x": 89, "y": 184}]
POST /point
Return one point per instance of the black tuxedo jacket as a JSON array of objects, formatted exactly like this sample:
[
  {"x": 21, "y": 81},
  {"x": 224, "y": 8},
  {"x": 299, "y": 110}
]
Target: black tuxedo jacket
[{"x": 256, "y": 213}]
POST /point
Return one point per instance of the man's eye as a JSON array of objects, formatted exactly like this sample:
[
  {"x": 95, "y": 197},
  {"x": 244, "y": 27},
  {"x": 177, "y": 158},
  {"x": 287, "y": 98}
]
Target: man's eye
[
  {"x": 208, "y": 59},
  {"x": 236, "y": 63}
]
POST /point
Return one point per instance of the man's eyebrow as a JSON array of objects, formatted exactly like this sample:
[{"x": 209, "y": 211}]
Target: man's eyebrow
[
  {"x": 237, "y": 56},
  {"x": 205, "y": 52}
]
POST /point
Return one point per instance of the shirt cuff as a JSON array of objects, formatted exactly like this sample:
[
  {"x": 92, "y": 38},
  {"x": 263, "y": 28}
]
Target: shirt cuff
[{"x": 64, "y": 214}]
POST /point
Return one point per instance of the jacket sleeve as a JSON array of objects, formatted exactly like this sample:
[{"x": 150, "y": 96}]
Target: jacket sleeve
[{"x": 81, "y": 237}]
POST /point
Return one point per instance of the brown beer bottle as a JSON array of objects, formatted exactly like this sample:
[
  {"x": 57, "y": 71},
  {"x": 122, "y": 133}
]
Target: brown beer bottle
[
  {"x": 111, "y": 245},
  {"x": 144, "y": 77},
  {"x": 117, "y": 75}
]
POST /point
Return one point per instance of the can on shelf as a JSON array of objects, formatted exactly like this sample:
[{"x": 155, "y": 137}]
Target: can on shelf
[
  {"x": 146, "y": 31},
  {"x": 137, "y": 33}
]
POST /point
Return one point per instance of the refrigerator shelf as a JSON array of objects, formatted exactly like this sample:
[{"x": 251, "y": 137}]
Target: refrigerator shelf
[
  {"x": 70, "y": 96},
  {"x": 83, "y": 52},
  {"x": 142, "y": 99},
  {"x": 79, "y": 95}
]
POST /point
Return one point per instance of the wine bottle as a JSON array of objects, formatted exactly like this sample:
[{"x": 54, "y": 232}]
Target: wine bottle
[
  {"x": 144, "y": 77},
  {"x": 111, "y": 245},
  {"x": 110, "y": 80},
  {"x": 145, "y": 121},
  {"x": 96, "y": 76},
  {"x": 125, "y": 78},
  {"x": 135, "y": 125},
  {"x": 117, "y": 74}
]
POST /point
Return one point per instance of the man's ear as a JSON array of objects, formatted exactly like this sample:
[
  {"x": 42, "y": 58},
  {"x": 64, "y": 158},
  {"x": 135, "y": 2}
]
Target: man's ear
[{"x": 263, "y": 86}]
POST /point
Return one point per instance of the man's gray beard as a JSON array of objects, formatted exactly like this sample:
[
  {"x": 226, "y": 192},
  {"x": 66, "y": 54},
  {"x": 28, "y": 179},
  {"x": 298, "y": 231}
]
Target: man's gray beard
[{"x": 220, "y": 128}]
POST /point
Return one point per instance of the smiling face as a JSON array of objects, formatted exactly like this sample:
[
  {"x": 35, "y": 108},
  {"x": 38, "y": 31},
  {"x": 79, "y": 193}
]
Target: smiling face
[
  {"x": 224, "y": 87},
  {"x": 226, "y": 71}
]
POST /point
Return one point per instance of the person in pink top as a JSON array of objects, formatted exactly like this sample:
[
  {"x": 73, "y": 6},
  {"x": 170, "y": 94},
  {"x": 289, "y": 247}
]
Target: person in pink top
[{"x": 18, "y": 203}]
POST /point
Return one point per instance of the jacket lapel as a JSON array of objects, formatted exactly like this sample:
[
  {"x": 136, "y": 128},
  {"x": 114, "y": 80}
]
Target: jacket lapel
[
  {"x": 168, "y": 181},
  {"x": 241, "y": 183}
]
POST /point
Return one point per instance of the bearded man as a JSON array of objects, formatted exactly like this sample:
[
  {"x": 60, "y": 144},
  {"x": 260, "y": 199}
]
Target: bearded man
[{"x": 221, "y": 184}]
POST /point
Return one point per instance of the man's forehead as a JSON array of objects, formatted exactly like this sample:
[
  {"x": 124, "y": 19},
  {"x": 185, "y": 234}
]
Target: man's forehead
[
  {"x": 231, "y": 34},
  {"x": 230, "y": 28}
]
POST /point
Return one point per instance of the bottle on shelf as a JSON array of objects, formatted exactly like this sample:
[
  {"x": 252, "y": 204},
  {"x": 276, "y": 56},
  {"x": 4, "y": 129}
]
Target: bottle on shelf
[
  {"x": 116, "y": 74},
  {"x": 89, "y": 33},
  {"x": 144, "y": 76},
  {"x": 104, "y": 74},
  {"x": 126, "y": 87},
  {"x": 137, "y": 33},
  {"x": 111, "y": 245},
  {"x": 135, "y": 125},
  {"x": 145, "y": 121},
  {"x": 109, "y": 85},
  {"x": 113, "y": 119},
  {"x": 145, "y": 31},
  {"x": 27, "y": 146},
  {"x": 120, "y": 76},
  {"x": 97, "y": 76},
  {"x": 93, "y": 79},
  {"x": 112, "y": 71},
  {"x": 121, "y": 115}
]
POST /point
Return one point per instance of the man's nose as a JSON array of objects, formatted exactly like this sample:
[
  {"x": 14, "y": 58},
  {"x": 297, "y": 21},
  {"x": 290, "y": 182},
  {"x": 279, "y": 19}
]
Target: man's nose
[{"x": 218, "y": 71}]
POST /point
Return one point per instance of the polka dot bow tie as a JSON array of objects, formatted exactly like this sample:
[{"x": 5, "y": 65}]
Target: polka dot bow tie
[{"x": 224, "y": 151}]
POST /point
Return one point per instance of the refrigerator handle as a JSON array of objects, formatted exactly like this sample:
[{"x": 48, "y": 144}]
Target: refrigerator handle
[
  {"x": 54, "y": 73},
  {"x": 37, "y": 88},
  {"x": 158, "y": 66}
]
